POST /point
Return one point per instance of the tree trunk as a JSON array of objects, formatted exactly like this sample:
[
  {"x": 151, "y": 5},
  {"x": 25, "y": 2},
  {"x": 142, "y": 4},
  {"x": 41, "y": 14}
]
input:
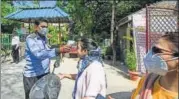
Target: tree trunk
[{"x": 112, "y": 33}]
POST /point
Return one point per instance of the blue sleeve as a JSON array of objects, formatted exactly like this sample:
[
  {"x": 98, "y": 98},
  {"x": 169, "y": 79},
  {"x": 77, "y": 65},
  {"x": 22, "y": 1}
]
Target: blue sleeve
[{"x": 37, "y": 52}]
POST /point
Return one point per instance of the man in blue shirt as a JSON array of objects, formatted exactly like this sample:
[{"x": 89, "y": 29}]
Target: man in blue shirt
[{"x": 37, "y": 55}]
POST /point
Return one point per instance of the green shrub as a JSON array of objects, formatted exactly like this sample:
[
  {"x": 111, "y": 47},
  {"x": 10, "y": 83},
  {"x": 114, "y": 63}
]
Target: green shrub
[
  {"x": 109, "y": 51},
  {"x": 54, "y": 35},
  {"x": 130, "y": 60}
]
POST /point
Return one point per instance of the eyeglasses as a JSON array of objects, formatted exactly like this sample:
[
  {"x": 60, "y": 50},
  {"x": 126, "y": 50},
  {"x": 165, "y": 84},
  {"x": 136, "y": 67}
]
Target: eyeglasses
[{"x": 157, "y": 50}]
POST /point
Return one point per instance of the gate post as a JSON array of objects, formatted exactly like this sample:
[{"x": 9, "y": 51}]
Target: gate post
[
  {"x": 178, "y": 16},
  {"x": 147, "y": 28}
]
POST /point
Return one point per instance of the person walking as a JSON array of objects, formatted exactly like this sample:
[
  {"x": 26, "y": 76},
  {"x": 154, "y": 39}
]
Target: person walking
[
  {"x": 37, "y": 55},
  {"x": 15, "y": 48}
]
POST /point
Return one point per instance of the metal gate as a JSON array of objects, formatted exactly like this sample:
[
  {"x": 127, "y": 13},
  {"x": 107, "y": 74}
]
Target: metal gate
[
  {"x": 160, "y": 18},
  {"x": 158, "y": 22},
  {"x": 5, "y": 40}
]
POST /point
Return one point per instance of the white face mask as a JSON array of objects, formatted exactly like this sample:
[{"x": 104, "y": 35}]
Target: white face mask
[
  {"x": 43, "y": 31},
  {"x": 155, "y": 64}
]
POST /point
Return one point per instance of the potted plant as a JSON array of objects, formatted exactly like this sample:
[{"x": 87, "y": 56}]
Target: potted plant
[{"x": 131, "y": 64}]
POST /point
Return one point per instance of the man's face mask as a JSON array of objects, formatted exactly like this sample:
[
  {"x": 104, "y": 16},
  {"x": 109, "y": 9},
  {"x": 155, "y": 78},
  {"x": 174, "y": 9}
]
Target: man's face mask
[
  {"x": 155, "y": 64},
  {"x": 43, "y": 30}
]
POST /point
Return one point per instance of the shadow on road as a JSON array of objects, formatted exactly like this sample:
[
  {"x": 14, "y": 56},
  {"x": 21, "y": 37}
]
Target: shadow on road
[
  {"x": 125, "y": 75},
  {"x": 119, "y": 65},
  {"x": 121, "y": 69},
  {"x": 121, "y": 95}
]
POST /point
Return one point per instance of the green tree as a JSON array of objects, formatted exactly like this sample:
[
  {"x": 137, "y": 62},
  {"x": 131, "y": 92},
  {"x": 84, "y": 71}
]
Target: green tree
[
  {"x": 80, "y": 15},
  {"x": 6, "y": 8},
  {"x": 104, "y": 19},
  {"x": 7, "y": 25},
  {"x": 93, "y": 17}
]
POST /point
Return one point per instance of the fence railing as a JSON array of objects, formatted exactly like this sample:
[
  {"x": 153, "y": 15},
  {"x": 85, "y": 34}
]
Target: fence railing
[
  {"x": 6, "y": 41},
  {"x": 7, "y": 38}
]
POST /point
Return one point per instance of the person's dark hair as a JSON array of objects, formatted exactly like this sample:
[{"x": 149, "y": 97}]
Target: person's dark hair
[
  {"x": 37, "y": 22},
  {"x": 173, "y": 37},
  {"x": 88, "y": 44}
]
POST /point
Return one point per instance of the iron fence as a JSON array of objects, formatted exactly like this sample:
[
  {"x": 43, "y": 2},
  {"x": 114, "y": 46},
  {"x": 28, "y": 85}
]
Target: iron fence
[
  {"x": 7, "y": 38},
  {"x": 160, "y": 21}
]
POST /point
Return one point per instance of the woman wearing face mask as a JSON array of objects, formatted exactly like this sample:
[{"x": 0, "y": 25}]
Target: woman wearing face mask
[
  {"x": 162, "y": 63},
  {"x": 90, "y": 82}
]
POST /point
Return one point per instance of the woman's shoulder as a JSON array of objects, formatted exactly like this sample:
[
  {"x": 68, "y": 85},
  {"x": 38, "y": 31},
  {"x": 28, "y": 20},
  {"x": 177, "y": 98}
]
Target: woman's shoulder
[
  {"x": 138, "y": 88},
  {"x": 143, "y": 82},
  {"x": 147, "y": 77},
  {"x": 96, "y": 64}
]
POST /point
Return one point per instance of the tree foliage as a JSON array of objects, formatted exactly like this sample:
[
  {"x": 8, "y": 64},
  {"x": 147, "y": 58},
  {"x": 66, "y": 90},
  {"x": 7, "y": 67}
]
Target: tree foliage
[
  {"x": 97, "y": 19},
  {"x": 6, "y": 8},
  {"x": 7, "y": 25},
  {"x": 80, "y": 15},
  {"x": 94, "y": 16},
  {"x": 58, "y": 35}
]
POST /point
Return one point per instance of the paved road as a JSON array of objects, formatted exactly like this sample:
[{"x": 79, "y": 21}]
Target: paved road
[
  {"x": 119, "y": 86},
  {"x": 11, "y": 81}
]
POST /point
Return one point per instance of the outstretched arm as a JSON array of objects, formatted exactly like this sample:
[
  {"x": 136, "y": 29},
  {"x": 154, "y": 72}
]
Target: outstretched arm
[
  {"x": 69, "y": 76},
  {"x": 37, "y": 51}
]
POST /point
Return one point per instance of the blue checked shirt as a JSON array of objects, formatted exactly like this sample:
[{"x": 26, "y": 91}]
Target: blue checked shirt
[{"x": 37, "y": 55}]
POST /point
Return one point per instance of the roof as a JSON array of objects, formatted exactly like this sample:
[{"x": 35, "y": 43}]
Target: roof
[
  {"x": 166, "y": 4},
  {"x": 51, "y": 14},
  {"x": 161, "y": 4}
]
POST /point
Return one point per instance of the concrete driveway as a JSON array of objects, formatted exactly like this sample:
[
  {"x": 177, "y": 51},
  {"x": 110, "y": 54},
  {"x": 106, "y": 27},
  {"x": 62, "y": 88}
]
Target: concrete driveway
[{"x": 119, "y": 86}]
